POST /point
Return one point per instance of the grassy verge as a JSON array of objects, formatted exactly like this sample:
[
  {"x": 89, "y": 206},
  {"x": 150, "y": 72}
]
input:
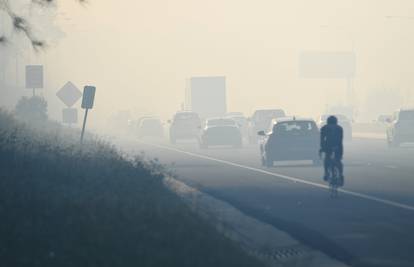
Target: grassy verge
[{"x": 60, "y": 206}]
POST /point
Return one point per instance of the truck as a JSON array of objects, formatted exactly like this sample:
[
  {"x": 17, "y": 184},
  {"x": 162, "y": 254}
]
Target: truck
[{"x": 207, "y": 96}]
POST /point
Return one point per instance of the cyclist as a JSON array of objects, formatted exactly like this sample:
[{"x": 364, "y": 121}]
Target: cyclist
[{"x": 331, "y": 145}]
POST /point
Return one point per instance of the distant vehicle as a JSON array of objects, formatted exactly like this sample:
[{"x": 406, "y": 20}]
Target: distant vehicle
[
  {"x": 384, "y": 118},
  {"x": 401, "y": 128},
  {"x": 343, "y": 121},
  {"x": 241, "y": 121},
  {"x": 221, "y": 132},
  {"x": 290, "y": 139},
  {"x": 184, "y": 126},
  {"x": 150, "y": 127},
  {"x": 261, "y": 120}
]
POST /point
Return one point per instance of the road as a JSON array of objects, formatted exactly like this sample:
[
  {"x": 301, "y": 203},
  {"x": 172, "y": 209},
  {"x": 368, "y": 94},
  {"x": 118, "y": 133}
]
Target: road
[{"x": 370, "y": 224}]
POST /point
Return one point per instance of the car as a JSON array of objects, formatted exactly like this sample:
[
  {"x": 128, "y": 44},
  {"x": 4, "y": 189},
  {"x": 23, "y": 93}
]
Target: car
[
  {"x": 260, "y": 120},
  {"x": 383, "y": 119},
  {"x": 150, "y": 127},
  {"x": 401, "y": 128},
  {"x": 290, "y": 139},
  {"x": 221, "y": 132},
  {"x": 186, "y": 125},
  {"x": 343, "y": 121},
  {"x": 241, "y": 121}
]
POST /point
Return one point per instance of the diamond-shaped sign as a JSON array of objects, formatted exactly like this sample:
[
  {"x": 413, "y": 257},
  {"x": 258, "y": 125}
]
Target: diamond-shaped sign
[{"x": 69, "y": 94}]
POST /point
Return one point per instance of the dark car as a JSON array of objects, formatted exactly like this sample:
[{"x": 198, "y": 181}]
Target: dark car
[
  {"x": 290, "y": 139},
  {"x": 184, "y": 126},
  {"x": 401, "y": 128},
  {"x": 150, "y": 127},
  {"x": 221, "y": 132},
  {"x": 260, "y": 121}
]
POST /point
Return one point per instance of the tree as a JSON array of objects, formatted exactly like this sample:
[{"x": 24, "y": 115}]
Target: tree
[
  {"x": 33, "y": 109},
  {"x": 21, "y": 24}
]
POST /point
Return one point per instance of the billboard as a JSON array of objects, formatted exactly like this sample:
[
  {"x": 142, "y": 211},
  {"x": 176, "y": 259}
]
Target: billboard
[
  {"x": 327, "y": 65},
  {"x": 208, "y": 96}
]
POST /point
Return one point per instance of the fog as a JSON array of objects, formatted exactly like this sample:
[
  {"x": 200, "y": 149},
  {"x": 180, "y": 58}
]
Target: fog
[{"x": 139, "y": 54}]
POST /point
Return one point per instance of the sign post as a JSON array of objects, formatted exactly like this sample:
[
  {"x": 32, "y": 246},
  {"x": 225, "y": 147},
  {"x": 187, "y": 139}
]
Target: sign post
[
  {"x": 69, "y": 94},
  {"x": 87, "y": 103},
  {"x": 34, "y": 77}
]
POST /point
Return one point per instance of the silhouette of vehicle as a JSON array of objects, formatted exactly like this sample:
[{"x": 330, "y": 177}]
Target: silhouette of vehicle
[
  {"x": 401, "y": 128},
  {"x": 343, "y": 121},
  {"x": 241, "y": 121},
  {"x": 185, "y": 125},
  {"x": 150, "y": 127},
  {"x": 221, "y": 132},
  {"x": 290, "y": 139},
  {"x": 260, "y": 121},
  {"x": 384, "y": 119}
]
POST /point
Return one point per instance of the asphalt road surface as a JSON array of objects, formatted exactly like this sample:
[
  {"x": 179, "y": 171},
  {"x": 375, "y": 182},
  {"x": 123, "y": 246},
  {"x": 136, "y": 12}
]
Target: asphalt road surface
[{"x": 370, "y": 224}]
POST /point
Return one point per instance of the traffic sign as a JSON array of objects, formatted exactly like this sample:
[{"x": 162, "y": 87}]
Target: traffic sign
[
  {"x": 70, "y": 115},
  {"x": 88, "y": 97},
  {"x": 87, "y": 103},
  {"x": 34, "y": 76},
  {"x": 69, "y": 94}
]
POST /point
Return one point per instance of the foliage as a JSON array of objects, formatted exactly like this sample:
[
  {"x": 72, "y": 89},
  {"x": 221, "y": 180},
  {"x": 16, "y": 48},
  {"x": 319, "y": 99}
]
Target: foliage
[
  {"x": 22, "y": 24},
  {"x": 32, "y": 109},
  {"x": 63, "y": 205}
]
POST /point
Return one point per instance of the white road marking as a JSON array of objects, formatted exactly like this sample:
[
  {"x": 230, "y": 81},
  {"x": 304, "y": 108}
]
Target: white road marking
[
  {"x": 390, "y": 166},
  {"x": 289, "y": 178}
]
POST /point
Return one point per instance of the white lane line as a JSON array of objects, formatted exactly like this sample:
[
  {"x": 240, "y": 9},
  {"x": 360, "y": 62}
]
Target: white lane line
[
  {"x": 390, "y": 166},
  {"x": 289, "y": 178}
]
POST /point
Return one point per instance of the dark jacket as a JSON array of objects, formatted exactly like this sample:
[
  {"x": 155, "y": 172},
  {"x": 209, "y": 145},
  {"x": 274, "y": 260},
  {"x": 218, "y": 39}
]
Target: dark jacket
[{"x": 331, "y": 137}]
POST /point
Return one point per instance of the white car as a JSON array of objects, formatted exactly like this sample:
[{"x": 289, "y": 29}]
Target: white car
[
  {"x": 221, "y": 132},
  {"x": 150, "y": 127},
  {"x": 184, "y": 126},
  {"x": 241, "y": 121},
  {"x": 401, "y": 128}
]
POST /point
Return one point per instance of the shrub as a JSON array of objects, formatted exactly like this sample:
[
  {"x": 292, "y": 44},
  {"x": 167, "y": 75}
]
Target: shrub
[
  {"x": 33, "y": 109},
  {"x": 61, "y": 205}
]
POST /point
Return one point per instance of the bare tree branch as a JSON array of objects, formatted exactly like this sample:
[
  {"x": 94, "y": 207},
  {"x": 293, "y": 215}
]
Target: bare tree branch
[{"x": 22, "y": 25}]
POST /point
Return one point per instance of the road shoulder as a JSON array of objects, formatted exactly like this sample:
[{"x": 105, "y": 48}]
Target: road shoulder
[{"x": 272, "y": 246}]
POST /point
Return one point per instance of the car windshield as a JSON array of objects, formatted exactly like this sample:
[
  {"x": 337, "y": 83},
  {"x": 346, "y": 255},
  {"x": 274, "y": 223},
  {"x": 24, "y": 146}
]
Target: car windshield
[
  {"x": 407, "y": 115},
  {"x": 239, "y": 119},
  {"x": 295, "y": 127},
  {"x": 220, "y": 122}
]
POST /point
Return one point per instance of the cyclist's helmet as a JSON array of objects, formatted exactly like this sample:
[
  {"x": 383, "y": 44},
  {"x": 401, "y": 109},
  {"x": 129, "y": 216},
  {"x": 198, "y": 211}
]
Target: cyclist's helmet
[{"x": 332, "y": 120}]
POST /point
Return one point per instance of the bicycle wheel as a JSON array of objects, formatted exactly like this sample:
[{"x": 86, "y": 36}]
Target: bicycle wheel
[{"x": 335, "y": 183}]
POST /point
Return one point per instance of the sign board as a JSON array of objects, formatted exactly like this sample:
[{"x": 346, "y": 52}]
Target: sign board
[
  {"x": 70, "y": 115},
  {"x": 69, "y": 94},
  {"x": 34, "y": 76},
  {"x": 327, "y": 65},
  {"x": 88, "y": 97},
  {"x": 208, "y": 96}
]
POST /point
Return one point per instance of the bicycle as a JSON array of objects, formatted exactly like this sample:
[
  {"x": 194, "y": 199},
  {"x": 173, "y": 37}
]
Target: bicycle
[
  {"x": 334, "y": 179},
  {"x": 334, "y": 182}
]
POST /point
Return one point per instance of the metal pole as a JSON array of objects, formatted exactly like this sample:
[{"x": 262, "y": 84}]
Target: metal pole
[
  {"x": 84, "y": 124},
  {"x": 34, "y": 92}
]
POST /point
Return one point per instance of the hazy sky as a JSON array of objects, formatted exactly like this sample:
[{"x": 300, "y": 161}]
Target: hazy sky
[{"x": 139, "y": 53}]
